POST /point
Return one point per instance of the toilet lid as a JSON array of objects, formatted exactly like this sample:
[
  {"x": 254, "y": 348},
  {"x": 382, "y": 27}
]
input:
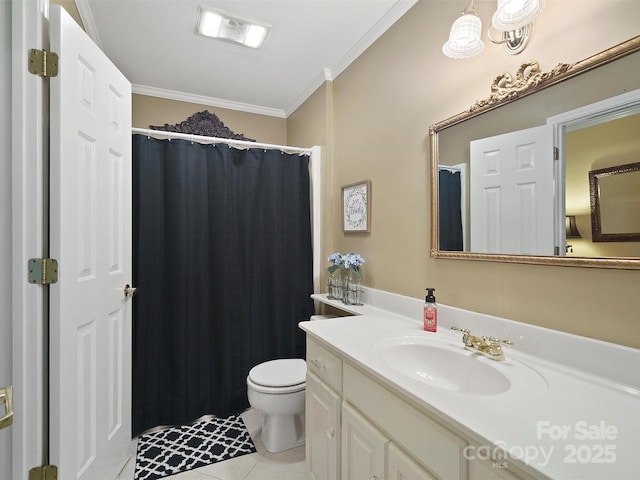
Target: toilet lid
[{"x": 279, "y": 373}]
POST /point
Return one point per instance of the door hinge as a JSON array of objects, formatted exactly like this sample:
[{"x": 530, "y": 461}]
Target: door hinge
[
  {"x": 43, "y": 63},
  {"x": 6, "y": 399},
  {"x": 43, "y": 271},
  {"x": 45, "y": 472},
  {"x": 556, "y": 153},
  {"x": 556, "y": 251}
]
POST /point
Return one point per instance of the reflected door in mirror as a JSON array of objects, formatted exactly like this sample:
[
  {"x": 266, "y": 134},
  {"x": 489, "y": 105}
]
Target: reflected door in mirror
[{"x": 512, "y": 197}]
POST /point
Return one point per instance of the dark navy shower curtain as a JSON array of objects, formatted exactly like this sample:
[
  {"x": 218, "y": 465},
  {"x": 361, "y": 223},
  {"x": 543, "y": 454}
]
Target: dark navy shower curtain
[
  {"x": 223, "y": 265},
  {"x": 450, "y": 226}
]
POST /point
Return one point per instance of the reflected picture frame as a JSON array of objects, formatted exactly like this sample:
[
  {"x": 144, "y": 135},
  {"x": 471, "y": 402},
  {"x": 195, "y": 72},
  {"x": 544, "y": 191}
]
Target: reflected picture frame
[
  {"x": 356, "y": 207},
  {"x": 598, "y": 200}
]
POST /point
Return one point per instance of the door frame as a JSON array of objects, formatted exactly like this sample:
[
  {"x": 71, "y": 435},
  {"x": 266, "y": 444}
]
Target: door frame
[
  {"x": 5, "y": 226},
  {"x": 29, "y": 128},
  {"x": 592, "y": 114}
]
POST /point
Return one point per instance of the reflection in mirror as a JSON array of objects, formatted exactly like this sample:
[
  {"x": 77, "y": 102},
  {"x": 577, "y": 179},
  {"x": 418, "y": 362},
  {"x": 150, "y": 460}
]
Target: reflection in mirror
[
  {"x": 601, "y": 147},
  {"x": 511, "y": 193},
  {"x": 481, "y": 222},
  {"x": 615, "y": 203}
]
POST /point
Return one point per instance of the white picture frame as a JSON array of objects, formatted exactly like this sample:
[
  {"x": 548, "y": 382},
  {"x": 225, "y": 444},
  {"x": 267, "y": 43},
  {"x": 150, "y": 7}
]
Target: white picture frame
[{"x": 356, "y": 207}]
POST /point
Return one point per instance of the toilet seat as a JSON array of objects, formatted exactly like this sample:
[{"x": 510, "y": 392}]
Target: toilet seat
[
  {"x": 276, "y": 390},
  {"x": 279, "y": 376}
]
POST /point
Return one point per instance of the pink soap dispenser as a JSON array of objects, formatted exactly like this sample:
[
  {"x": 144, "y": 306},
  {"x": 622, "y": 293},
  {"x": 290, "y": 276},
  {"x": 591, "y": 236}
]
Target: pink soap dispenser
[{"x": 430, "y": 315}]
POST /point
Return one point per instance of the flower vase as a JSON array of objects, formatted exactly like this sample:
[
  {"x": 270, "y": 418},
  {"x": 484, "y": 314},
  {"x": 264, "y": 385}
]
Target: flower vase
[
  {"x": 346, "y": 282},
  {"x": 335, "y": 286},
  {"x": 355, "y": 289}
]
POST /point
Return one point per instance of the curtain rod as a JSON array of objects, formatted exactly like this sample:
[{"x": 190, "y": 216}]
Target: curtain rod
[
  {"x": 449, "y": 169},
  {"x": 234, "y": 143}
]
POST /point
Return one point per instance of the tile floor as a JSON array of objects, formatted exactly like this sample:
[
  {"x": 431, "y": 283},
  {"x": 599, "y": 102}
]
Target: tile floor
[{"x": 262, "y": 465}]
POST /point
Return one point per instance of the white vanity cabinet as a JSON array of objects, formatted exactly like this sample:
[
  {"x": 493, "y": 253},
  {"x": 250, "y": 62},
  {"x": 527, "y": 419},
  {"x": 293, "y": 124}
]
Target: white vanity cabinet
[
  {"x": 486, "y": 470},
  {"x": 360, "y": 429},
  {"x": 539, "y": 405}
]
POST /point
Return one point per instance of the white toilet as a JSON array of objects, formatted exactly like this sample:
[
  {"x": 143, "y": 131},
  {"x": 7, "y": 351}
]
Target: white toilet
[{"x": 277, "y": 389}]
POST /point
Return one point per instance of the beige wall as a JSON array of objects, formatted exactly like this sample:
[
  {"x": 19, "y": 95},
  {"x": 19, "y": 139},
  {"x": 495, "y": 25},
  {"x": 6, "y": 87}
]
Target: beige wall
[
  {"x": 147, "y": 110},
  {"x": 382, "y": 107},
  {"x": 311, "y": 122}
]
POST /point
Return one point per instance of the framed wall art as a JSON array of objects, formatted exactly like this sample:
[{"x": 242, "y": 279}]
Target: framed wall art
[
  {"x": 615, "y": 203},
  {"x": 356, "y": 207}
]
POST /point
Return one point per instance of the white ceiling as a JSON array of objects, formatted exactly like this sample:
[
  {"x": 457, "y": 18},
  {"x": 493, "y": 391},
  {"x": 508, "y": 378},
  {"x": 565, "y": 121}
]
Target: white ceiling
[{"x": 155, "y": 45}]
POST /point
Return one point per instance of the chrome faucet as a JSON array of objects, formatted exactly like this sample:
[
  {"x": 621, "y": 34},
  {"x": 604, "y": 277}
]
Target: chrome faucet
[{"x": 490, "y": 347}]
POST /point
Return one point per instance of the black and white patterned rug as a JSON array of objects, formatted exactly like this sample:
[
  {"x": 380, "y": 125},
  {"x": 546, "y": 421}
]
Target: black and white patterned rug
[{"x": 178, "y": 449}]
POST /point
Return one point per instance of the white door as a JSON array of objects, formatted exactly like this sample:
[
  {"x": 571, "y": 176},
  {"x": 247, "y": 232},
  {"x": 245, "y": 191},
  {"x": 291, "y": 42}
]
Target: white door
[
  {"x": 90, "y": 333},
  {"x": 512, "y": 193}
]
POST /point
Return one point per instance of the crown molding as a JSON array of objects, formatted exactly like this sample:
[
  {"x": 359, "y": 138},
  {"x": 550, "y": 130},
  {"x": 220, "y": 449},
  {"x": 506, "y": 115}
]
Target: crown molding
[
  {"x": 84, "y": 9},
  {"x": 398, "y": 10},
  {"x": 210, "y": 101}
]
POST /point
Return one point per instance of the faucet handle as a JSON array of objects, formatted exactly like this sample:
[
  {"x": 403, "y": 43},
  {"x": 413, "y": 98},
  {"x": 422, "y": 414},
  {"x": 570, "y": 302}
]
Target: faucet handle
[
  {"x": 497, "y": 340},
  {"x": 463, "y": 330}
]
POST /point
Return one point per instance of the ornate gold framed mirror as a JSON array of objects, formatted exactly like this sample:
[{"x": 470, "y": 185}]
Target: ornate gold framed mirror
[{"x": 524, "y": 102}]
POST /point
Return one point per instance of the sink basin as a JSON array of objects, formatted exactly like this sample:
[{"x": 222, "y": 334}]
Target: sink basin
[{"x": 449, "y": 366}]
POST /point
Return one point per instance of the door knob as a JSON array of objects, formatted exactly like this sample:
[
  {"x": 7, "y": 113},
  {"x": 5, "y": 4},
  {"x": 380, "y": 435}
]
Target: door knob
[
  {"x": 129, "y": 291},
  {"x": 6, "y": 399}
]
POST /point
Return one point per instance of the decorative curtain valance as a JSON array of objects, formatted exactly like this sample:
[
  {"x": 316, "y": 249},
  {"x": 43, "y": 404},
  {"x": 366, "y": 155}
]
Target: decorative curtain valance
[{"x": 203, "y": 123}]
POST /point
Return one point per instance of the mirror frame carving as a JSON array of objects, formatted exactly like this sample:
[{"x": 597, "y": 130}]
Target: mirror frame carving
[{"x": 504, "y": 90}]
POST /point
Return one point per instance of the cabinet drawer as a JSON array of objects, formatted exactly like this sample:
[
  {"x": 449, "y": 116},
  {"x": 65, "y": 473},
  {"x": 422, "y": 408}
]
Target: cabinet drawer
[
  {"x": 326, "y": 365},
  {"x": 438, "y": 449}
]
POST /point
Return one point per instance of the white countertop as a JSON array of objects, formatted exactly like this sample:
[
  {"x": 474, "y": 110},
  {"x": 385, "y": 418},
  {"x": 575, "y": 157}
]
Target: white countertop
[{"x": 573, "y": 425}]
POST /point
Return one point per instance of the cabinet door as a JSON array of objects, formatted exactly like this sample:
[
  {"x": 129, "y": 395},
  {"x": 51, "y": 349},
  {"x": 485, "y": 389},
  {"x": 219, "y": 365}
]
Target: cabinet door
[
  {"x": 437, "y": 447},
  {"x": 402, "y": 467},
  {"x": 363, "y": 447},
  {"x": 322, "y": 418}
]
